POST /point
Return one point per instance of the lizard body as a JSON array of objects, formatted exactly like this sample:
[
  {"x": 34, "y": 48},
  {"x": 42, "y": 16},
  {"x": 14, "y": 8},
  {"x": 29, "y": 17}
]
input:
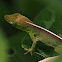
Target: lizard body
[{"x": 36, "y": 32}]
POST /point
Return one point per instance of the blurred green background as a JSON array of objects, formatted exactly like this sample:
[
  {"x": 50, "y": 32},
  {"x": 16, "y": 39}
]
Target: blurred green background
[{"x": 45, "y": 13}]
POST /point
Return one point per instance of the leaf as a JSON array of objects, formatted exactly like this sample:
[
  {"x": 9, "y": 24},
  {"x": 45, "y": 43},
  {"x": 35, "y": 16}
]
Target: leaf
[
  {"x": 46, "y": 18},
  {"x": 59, "y": 59},
  {"x": 3, "y": 47}
]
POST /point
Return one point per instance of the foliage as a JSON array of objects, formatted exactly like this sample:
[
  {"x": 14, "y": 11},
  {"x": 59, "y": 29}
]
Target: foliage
[{"x": 43, "y": 13}]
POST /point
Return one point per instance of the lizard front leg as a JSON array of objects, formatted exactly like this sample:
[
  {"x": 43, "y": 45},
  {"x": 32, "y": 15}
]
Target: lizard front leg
[
  {"x": 34, "y": 39},
  {"x": 31, "y": 49}
]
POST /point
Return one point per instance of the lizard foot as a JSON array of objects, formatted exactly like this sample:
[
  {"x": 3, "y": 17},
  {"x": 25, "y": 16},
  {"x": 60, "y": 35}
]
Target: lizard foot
[{"x": 28, "y": 50}]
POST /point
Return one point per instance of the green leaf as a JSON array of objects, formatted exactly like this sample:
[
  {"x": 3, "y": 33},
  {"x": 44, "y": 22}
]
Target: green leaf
[
  {"x": 3, "y": 47},
  {"x": 46, "y": 18},
  {"x": 59, "y": 59}
]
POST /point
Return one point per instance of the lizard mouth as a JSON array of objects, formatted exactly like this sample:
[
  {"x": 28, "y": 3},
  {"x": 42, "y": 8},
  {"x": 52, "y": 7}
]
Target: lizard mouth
[{"x": 7, "y": 19}]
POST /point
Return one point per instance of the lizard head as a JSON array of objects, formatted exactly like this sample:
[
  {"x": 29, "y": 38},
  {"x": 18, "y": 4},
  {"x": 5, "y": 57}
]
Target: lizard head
[
  {"x": 17, "y": 20},
  {"x": 12, "y": 18}
]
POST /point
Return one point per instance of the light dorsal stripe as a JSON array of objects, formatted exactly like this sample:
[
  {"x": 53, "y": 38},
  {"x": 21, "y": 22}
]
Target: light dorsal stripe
[{"x": 44, "y": 30}]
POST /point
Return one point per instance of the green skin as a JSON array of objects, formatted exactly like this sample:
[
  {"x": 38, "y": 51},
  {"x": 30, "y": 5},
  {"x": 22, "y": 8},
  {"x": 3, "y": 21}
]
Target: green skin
[{"x": 36, "y": 33}]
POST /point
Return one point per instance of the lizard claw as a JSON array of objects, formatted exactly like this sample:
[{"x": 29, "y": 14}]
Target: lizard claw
[{"x": 28, "y": 50}]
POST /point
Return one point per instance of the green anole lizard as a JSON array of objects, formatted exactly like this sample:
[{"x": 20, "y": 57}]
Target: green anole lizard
[{"x": 36, "y": 32}]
